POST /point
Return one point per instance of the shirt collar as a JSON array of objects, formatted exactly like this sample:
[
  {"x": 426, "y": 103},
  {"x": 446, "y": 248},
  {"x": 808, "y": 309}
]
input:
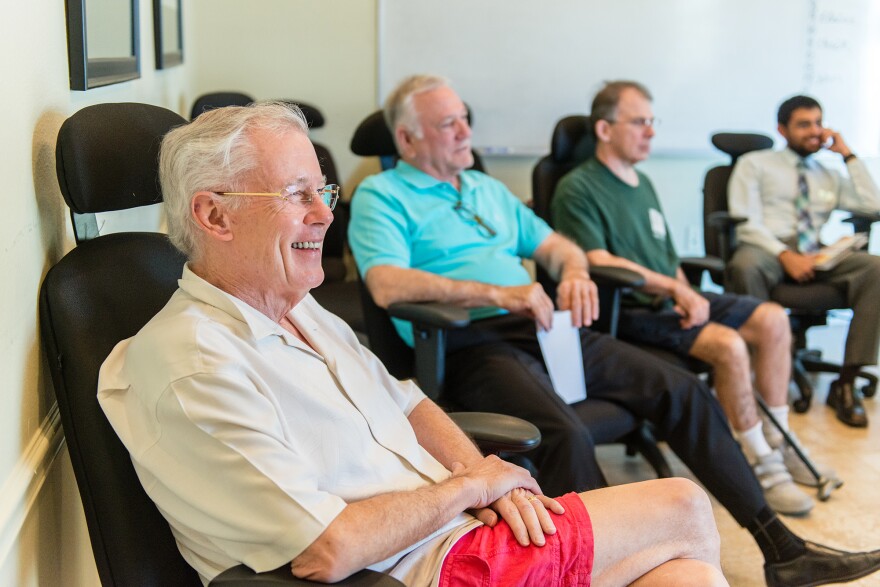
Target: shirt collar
[
  {"x": 794, "y": 159},
  {"x": 258, "y": 323},
  {"x": 420, "y": 180}
]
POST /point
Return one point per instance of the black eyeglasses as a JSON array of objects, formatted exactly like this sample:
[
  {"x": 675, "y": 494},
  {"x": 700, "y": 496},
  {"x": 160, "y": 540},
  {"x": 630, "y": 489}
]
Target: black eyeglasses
[{"x": 469, "y": 215}]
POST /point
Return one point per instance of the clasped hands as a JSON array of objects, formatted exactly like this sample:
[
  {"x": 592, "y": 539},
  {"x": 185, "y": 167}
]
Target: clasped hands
[
  {"x": 576, "y": 292},
  {"x": 510, "y": 492}
]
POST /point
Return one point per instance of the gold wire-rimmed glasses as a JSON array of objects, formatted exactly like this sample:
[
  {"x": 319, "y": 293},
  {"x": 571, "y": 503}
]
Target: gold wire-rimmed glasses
[
  {"x": 329, "y": 194},
  {"x": 466, "y": 213}
]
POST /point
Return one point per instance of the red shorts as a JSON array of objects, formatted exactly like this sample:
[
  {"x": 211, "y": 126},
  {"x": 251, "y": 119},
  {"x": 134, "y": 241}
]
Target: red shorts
[{"x": 491, "y": 557}]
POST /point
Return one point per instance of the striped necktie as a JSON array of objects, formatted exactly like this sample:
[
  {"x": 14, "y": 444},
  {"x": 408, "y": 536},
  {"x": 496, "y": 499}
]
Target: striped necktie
[{"x": 808, "y": 241}]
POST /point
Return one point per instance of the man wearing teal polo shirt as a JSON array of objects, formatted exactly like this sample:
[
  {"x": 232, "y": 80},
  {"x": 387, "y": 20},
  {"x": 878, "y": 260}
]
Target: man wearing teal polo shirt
[{"x": 428, "y": 230}]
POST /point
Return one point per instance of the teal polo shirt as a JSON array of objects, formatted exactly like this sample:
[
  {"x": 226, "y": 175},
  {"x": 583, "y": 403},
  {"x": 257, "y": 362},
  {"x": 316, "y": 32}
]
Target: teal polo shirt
[{"x": 407, "y": 218}]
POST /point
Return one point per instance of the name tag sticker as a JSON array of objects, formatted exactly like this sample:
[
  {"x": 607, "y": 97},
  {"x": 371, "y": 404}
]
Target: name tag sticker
[{"x": 658, "y": 225}]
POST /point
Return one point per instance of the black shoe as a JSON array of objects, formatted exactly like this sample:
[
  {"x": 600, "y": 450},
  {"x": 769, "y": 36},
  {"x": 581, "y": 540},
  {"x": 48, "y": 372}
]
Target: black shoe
[
  {"x": 847, "y": 403},
  {"x": 820, "y": 565}
]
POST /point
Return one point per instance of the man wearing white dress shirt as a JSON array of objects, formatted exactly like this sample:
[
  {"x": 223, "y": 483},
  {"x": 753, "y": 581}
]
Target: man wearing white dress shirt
[{"x": 787, "y": 196}]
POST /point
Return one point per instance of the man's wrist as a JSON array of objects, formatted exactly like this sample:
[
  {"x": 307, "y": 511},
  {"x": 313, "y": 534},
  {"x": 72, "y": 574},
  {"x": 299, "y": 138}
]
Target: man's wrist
[{"x": 850, "y": 157}]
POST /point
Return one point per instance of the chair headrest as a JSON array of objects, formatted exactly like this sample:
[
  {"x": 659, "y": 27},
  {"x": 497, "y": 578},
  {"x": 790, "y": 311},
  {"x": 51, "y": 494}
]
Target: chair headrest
[
  {"x": 313, "y": 115},
  {"x": 107, "y": 156},
  {"x": 218, "y": 100},
  {"x": 736, "y": 144},
  {"x": 372, "y": 138},
  {"x": 573, "y": 140}
]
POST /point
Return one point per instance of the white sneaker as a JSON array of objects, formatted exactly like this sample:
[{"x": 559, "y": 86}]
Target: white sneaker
[
  {"x": 779, "y": 489},
  {"x": 798, "y": 469}
]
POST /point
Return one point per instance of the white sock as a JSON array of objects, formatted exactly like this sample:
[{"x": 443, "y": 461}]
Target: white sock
[
  {"x": 781, "y": 415},
  {"x": 753, "y": 442}
]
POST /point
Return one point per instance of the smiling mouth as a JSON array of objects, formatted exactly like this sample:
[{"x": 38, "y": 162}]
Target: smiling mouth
[{"x": 313, "y": 245}]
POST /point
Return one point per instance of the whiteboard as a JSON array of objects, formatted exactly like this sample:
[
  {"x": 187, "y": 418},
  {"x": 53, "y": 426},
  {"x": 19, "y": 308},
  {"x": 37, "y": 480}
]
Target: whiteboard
[{"x": 711, "y": 64}]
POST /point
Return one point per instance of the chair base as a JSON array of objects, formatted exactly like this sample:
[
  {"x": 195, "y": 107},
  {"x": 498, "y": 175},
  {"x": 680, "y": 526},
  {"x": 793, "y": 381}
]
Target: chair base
[{"x": 808, "y": 361}]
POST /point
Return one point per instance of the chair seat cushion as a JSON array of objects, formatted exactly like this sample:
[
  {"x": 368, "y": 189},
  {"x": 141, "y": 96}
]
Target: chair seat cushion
[{"x": 811, "y": 297}]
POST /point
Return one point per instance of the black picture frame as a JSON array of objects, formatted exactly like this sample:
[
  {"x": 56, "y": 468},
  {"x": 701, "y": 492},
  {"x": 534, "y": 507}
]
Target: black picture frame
[
  {"x": 93, "y": 72},
  {"x": 167, "y": 56}
]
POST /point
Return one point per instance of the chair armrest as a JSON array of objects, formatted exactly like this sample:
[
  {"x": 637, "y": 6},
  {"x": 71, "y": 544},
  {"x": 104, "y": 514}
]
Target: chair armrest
[
  {"x": 607, "y": 276},
  {"x": 496, "y": 433},
  {"x": 721, "y": 220},
  {"x": 724, "y": 226},
  {"x": 241, "y": 576},
  {"x": 862, "y": 222},
  {"x": 431, "y": 314},
  {"x": 612, "y": 282},
  {"x": 694, "y": 267}
]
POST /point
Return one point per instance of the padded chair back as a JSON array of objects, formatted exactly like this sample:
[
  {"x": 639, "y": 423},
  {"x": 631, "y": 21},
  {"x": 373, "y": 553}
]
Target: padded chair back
[
  {"x": 218, "y": 100},
  {"x": 715, "y": 186},
  {"x": 572, "y": 143},
  {"x": 385, "y": 343},
  {"x": 100, "y": 293},
  {"x": 373, "y": 138}
]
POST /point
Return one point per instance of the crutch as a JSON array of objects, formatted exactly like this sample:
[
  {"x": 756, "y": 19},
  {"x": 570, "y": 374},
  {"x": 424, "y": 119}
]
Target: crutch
[{"x": 826, "y": 485}]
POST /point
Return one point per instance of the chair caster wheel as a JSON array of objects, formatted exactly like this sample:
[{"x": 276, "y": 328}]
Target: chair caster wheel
[
  {"x": 801, "y": 405},
  {"x": 869, "y": 390}
]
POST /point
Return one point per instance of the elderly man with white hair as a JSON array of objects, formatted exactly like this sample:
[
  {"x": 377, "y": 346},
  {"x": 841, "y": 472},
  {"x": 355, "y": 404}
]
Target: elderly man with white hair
[{"x": 267, "y": 435}]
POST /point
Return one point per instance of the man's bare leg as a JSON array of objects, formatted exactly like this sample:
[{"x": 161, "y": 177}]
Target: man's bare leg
[
  {"x": 639, "y": 528},
  {"x": 768, "y": 333}
]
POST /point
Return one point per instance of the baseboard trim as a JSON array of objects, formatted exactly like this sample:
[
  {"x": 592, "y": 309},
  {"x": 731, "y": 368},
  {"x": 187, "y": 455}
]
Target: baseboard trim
[{"x": 21, "y": 489}]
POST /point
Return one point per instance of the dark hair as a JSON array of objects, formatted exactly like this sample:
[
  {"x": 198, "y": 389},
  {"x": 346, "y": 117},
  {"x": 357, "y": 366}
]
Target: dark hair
[
  {"x": 605, "y": 103},
  {"x": 787, "y": 108}
]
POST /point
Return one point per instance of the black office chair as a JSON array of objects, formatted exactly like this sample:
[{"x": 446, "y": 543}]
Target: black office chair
[
  {"x": 607, "y": 422},
  {"x": 808, "y": 304},
  {"x": 100, "y": 293}
]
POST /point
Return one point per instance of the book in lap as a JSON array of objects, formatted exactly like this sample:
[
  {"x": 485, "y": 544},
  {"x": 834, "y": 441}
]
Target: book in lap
[{"x": 828, "y": 257}]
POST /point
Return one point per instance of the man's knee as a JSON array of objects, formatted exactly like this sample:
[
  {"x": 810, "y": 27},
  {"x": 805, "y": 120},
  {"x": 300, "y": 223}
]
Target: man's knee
[
  {"x": 773, "y": 324},
  {"x": 722, "y": 346},
  {"x": 685, "y": 500}
]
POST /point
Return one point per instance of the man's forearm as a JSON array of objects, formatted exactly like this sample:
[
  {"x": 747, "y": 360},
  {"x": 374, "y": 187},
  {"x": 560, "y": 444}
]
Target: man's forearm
[
  {"x": 369, "y": 531},
  {"x": 389, "y": 284},
  {"x": 562, "y": 258},
  {"x": 655, "y": 283},
  {"x": 441, "y": 437}
]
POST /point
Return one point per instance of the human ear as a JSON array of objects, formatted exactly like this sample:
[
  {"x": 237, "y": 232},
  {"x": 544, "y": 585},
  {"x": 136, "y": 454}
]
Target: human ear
[{"x": 211, "y": 217}]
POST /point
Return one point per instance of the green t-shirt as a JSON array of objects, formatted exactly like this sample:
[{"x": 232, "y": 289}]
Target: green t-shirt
[{"x": 597, "y": 210}]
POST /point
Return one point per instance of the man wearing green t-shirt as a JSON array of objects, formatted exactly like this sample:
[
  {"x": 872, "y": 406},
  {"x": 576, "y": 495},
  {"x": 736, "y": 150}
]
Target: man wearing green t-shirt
[{"x": 611, "y": 210}]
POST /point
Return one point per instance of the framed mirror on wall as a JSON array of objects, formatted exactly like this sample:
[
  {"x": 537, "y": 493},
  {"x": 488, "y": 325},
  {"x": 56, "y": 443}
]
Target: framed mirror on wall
[
  {"x": 168, "y": 32},
  {"x": 102, "y": 42}
]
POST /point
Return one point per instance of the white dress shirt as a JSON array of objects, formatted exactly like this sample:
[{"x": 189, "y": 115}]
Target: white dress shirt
[
  {"x": 764, "y": 186},
  {"x": 251, "y": 443}
]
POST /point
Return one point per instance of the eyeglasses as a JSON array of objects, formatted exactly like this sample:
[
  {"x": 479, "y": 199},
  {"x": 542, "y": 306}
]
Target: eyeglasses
[
  {"x": 469, "y": 215},
  {"x": 329, "y": 194},
  {"x": 639, "y": 122}
]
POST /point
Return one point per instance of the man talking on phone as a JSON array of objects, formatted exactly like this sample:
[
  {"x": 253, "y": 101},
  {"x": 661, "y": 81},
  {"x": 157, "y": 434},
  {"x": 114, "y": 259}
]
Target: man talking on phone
[{"x": 787, "y": 196}]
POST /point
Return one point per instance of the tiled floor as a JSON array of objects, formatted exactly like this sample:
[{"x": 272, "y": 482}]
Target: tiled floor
[{"x": 849, "y": 520}]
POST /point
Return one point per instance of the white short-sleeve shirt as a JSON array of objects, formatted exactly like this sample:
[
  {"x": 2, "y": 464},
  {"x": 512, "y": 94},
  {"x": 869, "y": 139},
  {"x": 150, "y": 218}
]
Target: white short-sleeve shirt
[{"x": 250, "y": 443}]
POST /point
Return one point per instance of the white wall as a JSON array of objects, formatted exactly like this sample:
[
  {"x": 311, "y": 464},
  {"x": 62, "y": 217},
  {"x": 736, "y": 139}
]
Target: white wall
[
  {"x": 42, "y": 537},
  {"x": 320, "y": 52}
]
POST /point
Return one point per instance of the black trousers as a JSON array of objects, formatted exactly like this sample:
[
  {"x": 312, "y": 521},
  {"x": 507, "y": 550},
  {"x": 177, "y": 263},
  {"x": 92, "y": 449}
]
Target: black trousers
[{"x": 496, "y": 366}]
